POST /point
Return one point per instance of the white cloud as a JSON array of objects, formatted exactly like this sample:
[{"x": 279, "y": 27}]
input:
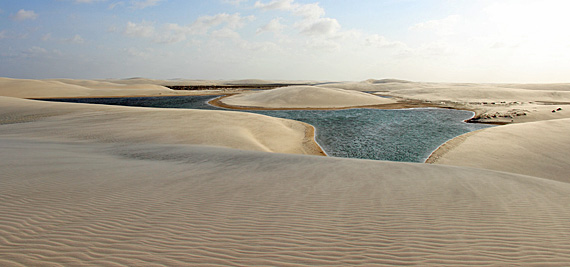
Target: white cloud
[
  {"x": 234, "y": 2},
  {"x": 25, "y": 15},
  {"x": 322, "y": 26},
  {"x": 226, "y": 33},
  {"x": 204, "y": 25},
  {"x": 445, "y": 26},
  {"x": 312, "y": 23},
  {"x": 303, "y": 10},
  {"x": 324, "y": 45},
  {"x": 274, "y": 26},
  {"x": 276, "y": 4},
  {"x": 3, "y": 35},
  {"x": 143, "y": 29},
  {"x": 309, "y": 11},
  {"x": 141, "y": 4},
  {"x": 233, "y": 21},
  {"x": 382, "y": 42}
]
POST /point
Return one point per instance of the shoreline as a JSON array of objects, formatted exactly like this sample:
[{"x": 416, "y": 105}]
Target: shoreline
[{"x": 311, "y": 130}]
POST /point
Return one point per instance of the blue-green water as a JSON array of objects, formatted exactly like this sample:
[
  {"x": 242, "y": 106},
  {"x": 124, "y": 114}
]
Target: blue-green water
[{"x": 396, "y": 135}]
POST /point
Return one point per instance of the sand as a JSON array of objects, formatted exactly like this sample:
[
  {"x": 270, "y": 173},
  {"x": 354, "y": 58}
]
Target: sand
[
  {"x": 61, "y": 88},
  {"x": 122, "y": 186},
  {"x": 305, "y": 97},
  {"x": 173, "y": 126},
  {"x": 120, "y": 204},
  {"x": 538, "y": 148}
]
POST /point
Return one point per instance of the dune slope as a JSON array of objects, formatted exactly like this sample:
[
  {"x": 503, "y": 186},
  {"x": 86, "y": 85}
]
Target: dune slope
[
  {"x": 76, "y": 88},
  {"x": 305, "y": 97},
  {"x": 173, "y": 126},
  {"x": 92, "y": 203},
  {"x": 535, "y": 148}
]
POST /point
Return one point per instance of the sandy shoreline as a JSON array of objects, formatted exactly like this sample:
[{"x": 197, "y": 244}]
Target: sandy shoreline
[{"x": 126, "y": 186}]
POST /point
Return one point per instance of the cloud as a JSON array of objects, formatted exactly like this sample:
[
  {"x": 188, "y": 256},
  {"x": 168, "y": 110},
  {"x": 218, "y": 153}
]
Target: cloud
[
  {"x": 234, "y": 2},
  {"x": 226, "y": 33},
  {"x": 312, "y": 23},
  {"x": 143, "y": 29},
  {"x": 445, "y": 26},
  {"x": 303, "y": 10},
  {"x": 220, "y": 25},
  {"x": 24, "y": 15},
  {"x": 382, "y": 42},
  {"x": 233, "y": 21},
  {"x": 3, "y": 35},
  {"x": 322, "y": 26},
  {"x": 276, "y": 4},
  {"x": 274, "y": 26},
  {"x": 309, "y": 11},
  {"x": 142, "y": 4}
]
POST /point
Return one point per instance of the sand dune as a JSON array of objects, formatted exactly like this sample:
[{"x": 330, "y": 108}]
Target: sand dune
[
  {"x": 126, "y": 204},
  {"x": 118, "y": 186},
  {"x": 78, "y": 88},
  {"x": 538, "y": 149},
  {"x": 174, "y": 126},
  {"x": 305, "y": 97}
]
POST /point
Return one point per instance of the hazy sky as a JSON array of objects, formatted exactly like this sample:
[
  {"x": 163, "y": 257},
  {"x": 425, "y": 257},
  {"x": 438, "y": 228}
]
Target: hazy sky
[{"x": 420, "y": 40}]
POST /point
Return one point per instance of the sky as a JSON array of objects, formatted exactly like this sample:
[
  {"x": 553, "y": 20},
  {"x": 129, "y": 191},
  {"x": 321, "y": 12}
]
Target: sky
[{"x": 522, "y": 41}]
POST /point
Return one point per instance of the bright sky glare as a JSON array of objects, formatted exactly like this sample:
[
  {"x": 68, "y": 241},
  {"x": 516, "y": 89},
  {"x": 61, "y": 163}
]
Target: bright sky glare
[{"x": 419, "y": 40}]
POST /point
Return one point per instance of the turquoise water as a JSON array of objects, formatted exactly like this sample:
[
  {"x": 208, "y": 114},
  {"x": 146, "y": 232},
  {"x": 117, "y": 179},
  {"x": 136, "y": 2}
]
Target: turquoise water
[{"x": 408, "y": 135}]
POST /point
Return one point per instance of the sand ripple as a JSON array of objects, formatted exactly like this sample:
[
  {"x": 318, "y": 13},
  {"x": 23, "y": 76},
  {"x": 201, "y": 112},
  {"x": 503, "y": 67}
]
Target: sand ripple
[{"x": 160, "y": 205}]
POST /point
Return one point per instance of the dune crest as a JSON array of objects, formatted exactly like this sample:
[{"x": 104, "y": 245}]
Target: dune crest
[{"x": 305, "y": 97}]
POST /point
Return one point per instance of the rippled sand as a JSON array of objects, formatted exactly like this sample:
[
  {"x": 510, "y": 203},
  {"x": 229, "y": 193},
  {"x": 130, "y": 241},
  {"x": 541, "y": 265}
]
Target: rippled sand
[{"x": 118, "y": 186}]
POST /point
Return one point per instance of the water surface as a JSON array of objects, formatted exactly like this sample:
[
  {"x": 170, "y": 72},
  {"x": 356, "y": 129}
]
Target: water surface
[{"x": 408, "y": 135}]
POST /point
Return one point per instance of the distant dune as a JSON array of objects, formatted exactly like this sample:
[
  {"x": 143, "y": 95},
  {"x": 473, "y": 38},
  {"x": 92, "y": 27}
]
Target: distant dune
[{"x": 305, "y": 97}]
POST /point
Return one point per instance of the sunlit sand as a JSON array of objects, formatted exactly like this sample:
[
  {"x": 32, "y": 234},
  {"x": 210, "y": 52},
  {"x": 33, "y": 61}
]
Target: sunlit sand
[{"x": 121, "y": 186}]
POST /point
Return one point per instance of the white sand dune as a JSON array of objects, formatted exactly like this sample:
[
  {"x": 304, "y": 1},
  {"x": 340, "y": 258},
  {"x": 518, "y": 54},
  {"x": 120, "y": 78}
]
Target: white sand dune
[
  {"x": 539, "y": 149},
  {"x": 92, "y": 185},
  {"x": 305, "y": 97},
  {"x": 174, "y": 126},
  {"x": 125, "y": 204},
  {"x": 77, "y": 88}
]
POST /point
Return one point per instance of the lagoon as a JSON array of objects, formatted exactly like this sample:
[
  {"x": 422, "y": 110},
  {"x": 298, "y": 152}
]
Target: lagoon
[{"x": 406, "y": 135}]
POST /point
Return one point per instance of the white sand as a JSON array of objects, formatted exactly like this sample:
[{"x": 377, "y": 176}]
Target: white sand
[
  {"x": 80, "y": 88},
  {"x": 173, "y": 126},
  {"x": 124, "y": 204},
  {"x": 118, "y": 186},
  {"x": 305, "y": 97},
  {"x": 538, "y": 148}
]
